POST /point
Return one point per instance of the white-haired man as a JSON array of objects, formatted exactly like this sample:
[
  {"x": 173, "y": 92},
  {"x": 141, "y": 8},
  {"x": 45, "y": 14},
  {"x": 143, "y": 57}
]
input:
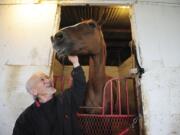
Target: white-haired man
[{"x": 50, "y": 114}]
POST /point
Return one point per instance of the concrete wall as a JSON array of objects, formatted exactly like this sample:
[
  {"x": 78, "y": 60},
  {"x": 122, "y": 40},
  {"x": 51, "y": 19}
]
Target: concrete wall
[
  {"x": 25, "y": 47},
  {"x": 156, "y": 30}
]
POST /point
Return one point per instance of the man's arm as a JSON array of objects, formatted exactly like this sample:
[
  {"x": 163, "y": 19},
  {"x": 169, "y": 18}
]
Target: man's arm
[{"x": 79, "y": 81}]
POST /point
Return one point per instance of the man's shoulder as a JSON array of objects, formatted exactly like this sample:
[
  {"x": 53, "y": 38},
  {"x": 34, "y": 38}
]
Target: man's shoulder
[
  {"x": 29, "y": 108},
  {"x": 27, "y": 112}
]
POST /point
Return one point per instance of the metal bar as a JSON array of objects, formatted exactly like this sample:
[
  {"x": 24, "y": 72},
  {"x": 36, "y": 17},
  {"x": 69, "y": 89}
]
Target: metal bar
[
  {"x": 127, "y": 96},
  {"x": 111, "y": 101},
  {"x": 104, "y": 95},
  {"x": 69, "y": 81},
  {"x": 119, "y": 97},
  {"x": 62, "y": 82},
  {"x": 54, "y": 81},
  {"x": 89, "y": 107},
  {"x": 106, "y": 115},
  {"x": 124, "y": 132}
]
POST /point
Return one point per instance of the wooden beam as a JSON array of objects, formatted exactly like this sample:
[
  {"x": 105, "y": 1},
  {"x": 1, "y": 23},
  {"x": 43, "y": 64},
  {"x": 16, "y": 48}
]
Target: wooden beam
[{"x": 117, "y": 30}]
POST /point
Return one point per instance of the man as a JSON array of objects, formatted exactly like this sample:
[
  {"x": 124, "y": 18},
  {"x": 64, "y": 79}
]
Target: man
[{"x": 49, "y": 114}]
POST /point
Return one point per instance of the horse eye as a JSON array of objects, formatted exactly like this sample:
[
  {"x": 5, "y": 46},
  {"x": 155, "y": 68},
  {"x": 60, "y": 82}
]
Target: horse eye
[{"x": 92, "y": 25}]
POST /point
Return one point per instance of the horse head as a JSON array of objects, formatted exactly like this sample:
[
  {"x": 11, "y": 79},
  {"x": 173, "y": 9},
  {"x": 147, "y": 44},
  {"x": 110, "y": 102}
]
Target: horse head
[
  {"x": 85, "y": 38},
  {"x": 81, "y": 38}
]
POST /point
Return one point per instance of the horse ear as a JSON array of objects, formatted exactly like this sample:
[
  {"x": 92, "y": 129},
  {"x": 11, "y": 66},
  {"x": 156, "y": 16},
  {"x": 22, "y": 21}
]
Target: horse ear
[
  {"x": 99, "y": 27},
  {"x": 82, "y": 19},
  {"x": 99, "y": 22},
  {"x": 102, "y": 20}
]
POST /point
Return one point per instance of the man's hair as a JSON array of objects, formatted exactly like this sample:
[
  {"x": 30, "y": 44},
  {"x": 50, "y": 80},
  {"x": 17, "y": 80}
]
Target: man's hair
[
  {"x": 30, "y": 83},
  {"x": 29, "y": 86}
]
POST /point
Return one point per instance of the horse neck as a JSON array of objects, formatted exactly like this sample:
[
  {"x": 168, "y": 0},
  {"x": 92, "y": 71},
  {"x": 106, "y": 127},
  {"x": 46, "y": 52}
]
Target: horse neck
[{"x": 97, "y": 74}]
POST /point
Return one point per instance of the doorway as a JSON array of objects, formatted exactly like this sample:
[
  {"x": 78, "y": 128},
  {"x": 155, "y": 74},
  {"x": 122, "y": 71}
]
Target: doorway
[{"x": 116, "y": 28}]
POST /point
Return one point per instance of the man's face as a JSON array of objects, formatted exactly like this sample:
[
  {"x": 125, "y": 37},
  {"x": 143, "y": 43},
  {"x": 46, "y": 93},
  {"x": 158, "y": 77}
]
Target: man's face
[{"x": 42, "y": 85}]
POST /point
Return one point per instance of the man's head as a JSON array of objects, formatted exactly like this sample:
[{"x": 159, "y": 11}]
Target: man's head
[{"x": 40, "y": 85}]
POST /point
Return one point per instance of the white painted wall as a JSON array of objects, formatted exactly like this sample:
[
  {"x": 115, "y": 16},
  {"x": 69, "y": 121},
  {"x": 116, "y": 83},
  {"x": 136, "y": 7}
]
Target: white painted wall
[
  {"x": 25, "y": 47},
  {"x": 157, "y": 35},
  {"x": 25, "y": 30}
]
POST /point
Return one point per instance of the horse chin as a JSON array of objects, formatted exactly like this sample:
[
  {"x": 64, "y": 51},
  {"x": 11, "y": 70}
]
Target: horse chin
[{"x": 60, "y": 56}]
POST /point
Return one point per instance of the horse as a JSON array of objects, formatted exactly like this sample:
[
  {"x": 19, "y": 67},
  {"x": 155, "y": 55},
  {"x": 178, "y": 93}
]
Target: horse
[{"x": 86, "y": 38}]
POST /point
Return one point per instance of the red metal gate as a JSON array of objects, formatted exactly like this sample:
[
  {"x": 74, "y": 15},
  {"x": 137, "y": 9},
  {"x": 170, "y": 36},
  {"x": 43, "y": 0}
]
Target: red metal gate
[
  {"x": 110, "y": 124},
  {"x": 96, "y": 124}
]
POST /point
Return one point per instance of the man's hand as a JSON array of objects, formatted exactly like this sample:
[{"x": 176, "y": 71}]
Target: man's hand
[{"x": 74, "y": 60}]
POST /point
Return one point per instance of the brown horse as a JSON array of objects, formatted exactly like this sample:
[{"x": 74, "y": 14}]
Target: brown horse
[{"x": 86, "y": 38}]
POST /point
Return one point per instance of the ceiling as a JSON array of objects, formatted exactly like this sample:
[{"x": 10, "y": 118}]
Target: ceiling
[{"x": 115, "y": 26}]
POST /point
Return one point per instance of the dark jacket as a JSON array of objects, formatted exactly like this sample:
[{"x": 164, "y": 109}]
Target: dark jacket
[{"x": 57, "y": 116}]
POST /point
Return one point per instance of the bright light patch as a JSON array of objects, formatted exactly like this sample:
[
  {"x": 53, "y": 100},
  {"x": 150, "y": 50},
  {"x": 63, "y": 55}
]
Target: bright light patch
[
  {"x": 31, "y": 12},
  {"x": 123, "y": 7},
  {"x": 27, "y": 1}
]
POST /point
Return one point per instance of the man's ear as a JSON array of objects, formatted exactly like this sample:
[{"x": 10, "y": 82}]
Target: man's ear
[{"x": 33, "y": 92}]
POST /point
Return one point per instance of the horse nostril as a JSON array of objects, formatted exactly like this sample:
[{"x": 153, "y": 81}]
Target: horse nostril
[{"x": 59, "y": 36}]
